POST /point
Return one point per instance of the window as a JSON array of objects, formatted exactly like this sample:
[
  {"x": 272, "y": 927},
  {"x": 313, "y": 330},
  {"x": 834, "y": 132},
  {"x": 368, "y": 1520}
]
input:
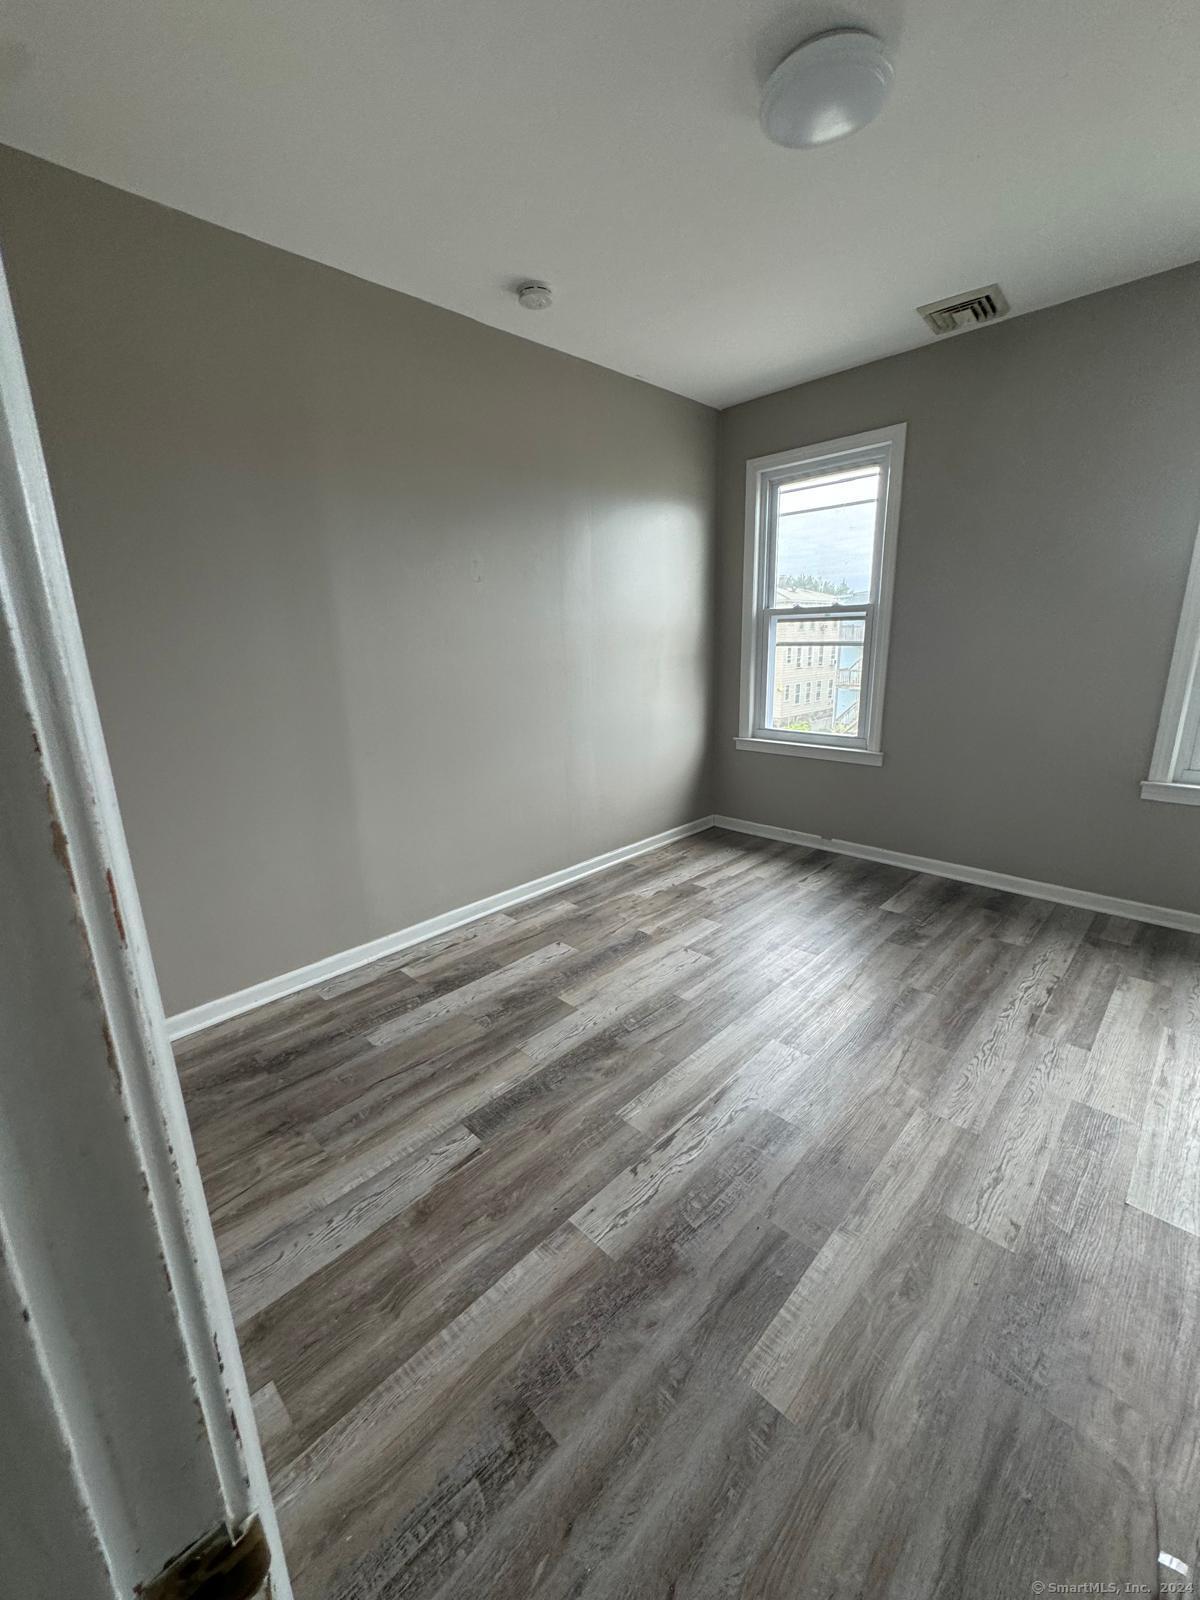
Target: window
[
  {"x": 821, "y": 528},
  {"x": 1175, "y": 764}
]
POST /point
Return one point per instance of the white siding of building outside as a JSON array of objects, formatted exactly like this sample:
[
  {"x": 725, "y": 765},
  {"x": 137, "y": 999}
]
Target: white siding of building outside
[{"x": 808, "y": 677}]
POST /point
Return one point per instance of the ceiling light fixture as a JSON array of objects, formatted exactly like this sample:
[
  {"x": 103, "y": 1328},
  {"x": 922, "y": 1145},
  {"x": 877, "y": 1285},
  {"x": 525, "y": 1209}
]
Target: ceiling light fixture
[
  {"x": 831, "y": 86},
  {"x": 535, "y": 296}
]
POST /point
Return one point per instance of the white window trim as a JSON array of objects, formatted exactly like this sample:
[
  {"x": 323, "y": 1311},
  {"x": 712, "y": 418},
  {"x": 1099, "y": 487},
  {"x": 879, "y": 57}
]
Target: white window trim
[
  {"x": 881, "y": 444},
  {"x": 1170, "y": 777}
]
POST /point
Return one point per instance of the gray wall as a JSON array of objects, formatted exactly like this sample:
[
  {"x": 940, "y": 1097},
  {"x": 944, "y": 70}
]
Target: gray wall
[
  {"x": 386, "y": 610},
  {"x": 1051, "y": 499}
]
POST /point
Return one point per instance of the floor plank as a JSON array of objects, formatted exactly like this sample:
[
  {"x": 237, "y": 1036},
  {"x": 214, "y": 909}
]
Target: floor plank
[{"x": 1166, "y": 1177}]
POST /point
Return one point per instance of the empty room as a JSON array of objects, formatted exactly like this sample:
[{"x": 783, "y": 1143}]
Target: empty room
[{"x": 601, "y": 800}]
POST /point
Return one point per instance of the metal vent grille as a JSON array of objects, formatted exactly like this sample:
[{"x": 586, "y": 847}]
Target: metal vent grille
[{"x": 964, "y": 311}]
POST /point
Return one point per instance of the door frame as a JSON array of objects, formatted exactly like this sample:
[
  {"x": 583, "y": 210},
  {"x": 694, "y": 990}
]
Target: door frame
[{"x": 90, "y": 974}]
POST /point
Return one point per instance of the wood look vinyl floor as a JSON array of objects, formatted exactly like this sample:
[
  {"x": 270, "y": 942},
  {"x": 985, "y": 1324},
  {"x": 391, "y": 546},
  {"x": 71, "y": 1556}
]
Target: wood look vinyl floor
[{"x": 745, "y": 1222}]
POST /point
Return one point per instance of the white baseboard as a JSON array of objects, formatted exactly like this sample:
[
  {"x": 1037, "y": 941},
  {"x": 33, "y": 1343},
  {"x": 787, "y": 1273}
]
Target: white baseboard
[
  {"x": 1161, "y": 916},
  {"x": 260, "y": 994}
]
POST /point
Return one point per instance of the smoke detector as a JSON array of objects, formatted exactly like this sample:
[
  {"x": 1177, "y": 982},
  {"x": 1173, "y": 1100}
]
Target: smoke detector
[
  {"x": 963, "y": 311},
  {"x": 535, "y": 296}
]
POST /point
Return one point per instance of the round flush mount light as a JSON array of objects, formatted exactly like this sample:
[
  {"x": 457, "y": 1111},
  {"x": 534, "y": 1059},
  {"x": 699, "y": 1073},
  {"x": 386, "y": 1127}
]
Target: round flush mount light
[
  {"x": 829, "y": 87},
  {"x": 535, "y": 296}
]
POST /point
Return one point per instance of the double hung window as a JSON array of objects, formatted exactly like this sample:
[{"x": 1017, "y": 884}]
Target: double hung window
[{"x": 821, "y": 527}]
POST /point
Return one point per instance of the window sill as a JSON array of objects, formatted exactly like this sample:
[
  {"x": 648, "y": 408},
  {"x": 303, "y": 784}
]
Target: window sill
[
  {"x": 822, "y": 752},
  {"x": 1180, "y": 794}
]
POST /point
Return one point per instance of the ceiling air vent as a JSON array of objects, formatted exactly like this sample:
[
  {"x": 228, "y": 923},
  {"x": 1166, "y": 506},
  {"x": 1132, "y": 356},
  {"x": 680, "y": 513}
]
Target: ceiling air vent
[{"x": 964, "y": 311}]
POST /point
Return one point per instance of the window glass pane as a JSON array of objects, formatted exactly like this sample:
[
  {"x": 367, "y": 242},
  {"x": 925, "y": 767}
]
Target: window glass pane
[
  {"x": 817, "y": 689},
  {"x": 825, "y": 537}
]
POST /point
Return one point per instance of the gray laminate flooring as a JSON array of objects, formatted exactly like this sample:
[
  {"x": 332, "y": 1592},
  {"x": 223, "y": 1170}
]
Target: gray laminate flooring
[{"x": 744, "y": 1221}]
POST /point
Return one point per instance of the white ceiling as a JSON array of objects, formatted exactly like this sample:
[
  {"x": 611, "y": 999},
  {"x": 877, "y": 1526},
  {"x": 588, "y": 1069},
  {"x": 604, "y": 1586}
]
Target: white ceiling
[{"x": 450, "y": 147}]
